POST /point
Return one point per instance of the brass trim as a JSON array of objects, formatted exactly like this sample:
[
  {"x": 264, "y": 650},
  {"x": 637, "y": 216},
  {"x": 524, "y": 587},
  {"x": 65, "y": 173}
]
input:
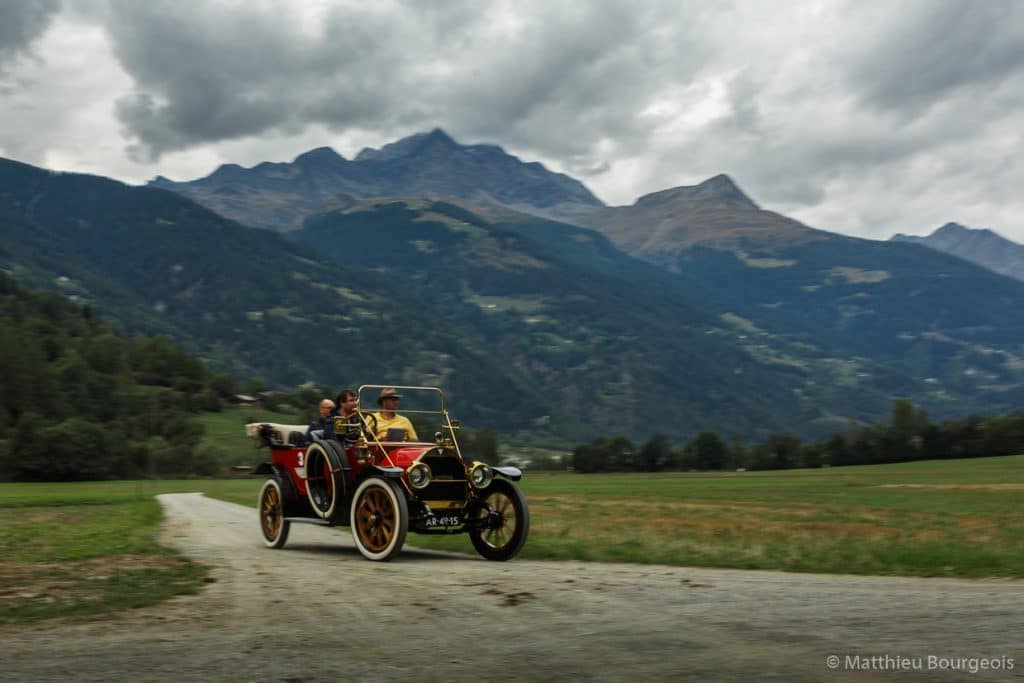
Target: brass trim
[
  {"x": 472, "y": 468},
  {"x": 408, "y": 474},
  {"x": 445, "y": 504}
]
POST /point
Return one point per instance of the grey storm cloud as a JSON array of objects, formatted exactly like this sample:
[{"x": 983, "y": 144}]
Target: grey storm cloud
[
  {"x": 21, "y": 22},
  {"x": 934, "y": 48},
  {"x": 211, "y": 73}
]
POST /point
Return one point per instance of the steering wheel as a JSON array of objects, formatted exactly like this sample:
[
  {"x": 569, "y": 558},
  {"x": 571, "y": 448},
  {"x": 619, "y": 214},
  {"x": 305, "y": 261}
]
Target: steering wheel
[{"x": 369, "y": 424}]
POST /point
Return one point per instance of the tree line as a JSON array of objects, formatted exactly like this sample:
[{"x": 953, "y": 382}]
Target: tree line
[{"x": 909, "y": 435}]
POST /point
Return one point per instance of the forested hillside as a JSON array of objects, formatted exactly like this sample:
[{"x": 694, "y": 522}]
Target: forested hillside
[
  {"x": 78, "y": 401},
  {"x": 245, "y": 300}
]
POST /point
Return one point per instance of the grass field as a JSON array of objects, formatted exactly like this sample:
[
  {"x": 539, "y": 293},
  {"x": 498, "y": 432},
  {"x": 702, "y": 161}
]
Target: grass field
[
  {"x": 85, "y": 548},
  {"x": 931, "y": 518},
  {"x": 224, "y": 433}
]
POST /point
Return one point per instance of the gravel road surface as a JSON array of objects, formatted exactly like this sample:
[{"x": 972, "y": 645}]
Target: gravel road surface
[{"x": 317, "y": 611}]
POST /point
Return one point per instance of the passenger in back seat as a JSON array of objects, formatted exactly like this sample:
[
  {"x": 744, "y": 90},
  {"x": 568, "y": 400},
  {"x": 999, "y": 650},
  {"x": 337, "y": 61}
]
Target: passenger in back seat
[{"x": 324, "y": 423}]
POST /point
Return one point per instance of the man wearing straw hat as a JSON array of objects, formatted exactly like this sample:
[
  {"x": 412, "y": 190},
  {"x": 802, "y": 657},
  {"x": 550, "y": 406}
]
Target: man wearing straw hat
[{"x": 387, "y": 418}]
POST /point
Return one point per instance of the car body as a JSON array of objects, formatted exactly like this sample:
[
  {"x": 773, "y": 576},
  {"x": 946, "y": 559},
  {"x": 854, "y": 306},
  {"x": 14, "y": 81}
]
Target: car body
[{"x": 385, "y": 489}]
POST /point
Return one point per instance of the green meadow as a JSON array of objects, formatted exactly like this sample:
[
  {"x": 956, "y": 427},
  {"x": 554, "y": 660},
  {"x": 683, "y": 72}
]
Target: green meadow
[
  {"x": 80, "y": 550},
  {"x": 74, "y": 549},
  {"x": 932, "y": 518}
]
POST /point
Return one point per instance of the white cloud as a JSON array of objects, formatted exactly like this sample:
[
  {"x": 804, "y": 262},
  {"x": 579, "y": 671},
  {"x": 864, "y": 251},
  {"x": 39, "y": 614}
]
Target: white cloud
[{"x": 864, "y": 118}]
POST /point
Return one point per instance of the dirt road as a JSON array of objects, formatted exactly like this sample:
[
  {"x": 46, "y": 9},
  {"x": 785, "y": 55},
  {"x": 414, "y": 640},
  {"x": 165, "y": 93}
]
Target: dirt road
[{"x": 318, "y": 611}]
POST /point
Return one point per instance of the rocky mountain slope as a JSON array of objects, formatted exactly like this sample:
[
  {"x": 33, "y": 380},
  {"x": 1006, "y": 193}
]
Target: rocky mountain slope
[
  {"x": 882, "y": 317},
  {"x": 983, "y": 247},
  {"x": 280, "y": 195},
  {"x": 943, "y": 321}
]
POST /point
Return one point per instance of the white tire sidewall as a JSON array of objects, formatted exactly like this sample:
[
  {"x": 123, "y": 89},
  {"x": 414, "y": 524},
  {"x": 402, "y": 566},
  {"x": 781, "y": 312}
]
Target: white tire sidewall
[{"x": 366, "y": 552}]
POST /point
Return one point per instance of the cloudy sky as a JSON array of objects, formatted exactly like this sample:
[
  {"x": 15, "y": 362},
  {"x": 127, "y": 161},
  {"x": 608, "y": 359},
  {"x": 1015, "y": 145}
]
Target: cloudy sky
[{"x": 861, "y": 117}]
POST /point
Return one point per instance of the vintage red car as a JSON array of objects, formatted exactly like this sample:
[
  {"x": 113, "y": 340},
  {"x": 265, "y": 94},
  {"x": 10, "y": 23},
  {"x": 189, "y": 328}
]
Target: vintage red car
[{"x": 384, "y": 489}]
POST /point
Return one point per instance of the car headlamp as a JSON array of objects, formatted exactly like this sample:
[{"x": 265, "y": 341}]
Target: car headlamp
[
  {"x": 419, "y": 475},
  {"x": 481, "y": 475}
]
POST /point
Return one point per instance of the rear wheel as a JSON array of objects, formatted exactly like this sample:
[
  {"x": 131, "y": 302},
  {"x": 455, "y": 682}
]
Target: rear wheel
[
  {"x": 501, "y": 524},
  {"x": 273, "y": 525},
  {"x": 380, "y": 518}
]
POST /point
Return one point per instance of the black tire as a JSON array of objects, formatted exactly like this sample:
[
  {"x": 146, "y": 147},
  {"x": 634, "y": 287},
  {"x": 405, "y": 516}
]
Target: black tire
[
  {"x": 325, "y": 487},
  {"x": 506, "y": 538},
  {"x": 273, "y": 526},
  {"x": 380, "y": 519}
]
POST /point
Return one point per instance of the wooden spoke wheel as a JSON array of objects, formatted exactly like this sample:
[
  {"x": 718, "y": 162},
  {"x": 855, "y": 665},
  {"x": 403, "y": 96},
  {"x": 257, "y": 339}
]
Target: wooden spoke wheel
[
  {"x": 273, "y": 525},
  {"x": 380, "y": 518},
  {"x": 502, "y": 522}
]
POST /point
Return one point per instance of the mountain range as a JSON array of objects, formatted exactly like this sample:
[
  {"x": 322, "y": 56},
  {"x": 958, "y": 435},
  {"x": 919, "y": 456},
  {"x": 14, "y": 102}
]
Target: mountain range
[
  {"x": 544, "y": 311},
  {"x": 281, "y": 195},
  {"x": 983, "y": 247}
]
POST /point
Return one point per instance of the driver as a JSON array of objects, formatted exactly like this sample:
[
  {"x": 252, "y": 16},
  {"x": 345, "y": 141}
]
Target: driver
[
  {"x": 347, "y": 402},
  {"x": 387, "y": 418}
]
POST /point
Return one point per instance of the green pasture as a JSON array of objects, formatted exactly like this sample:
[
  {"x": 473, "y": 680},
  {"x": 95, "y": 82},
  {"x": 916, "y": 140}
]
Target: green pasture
[
  {"x": 75, "y": 549},
  {"x": 927, "y": 518},
  {"x": 224, "y": 436},
  {"x": 226, "y": 428},
  {"x": 82, "y": 550}
]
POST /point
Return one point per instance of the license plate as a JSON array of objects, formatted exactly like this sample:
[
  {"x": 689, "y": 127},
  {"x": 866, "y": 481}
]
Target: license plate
[{"x": 444, "y": 520}]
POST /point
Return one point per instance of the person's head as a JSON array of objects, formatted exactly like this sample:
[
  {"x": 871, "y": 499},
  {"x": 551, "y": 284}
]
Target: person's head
[
  {"x": 326, "y": 406},
  {"x": 347, "y": 401},
  {"x": 388, "y": 399}
]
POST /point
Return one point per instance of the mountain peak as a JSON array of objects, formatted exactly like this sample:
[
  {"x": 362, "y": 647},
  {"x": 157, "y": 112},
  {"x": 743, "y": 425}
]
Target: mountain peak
[
  {"x": 438, "y": 135},
  {"x": 319, "y": 158},
  {"x": 409, "y": 146},
  {"x": 981, "y": 246},
  {"x": 719, "y": 189},
  {"x": 951, "y": 228}
]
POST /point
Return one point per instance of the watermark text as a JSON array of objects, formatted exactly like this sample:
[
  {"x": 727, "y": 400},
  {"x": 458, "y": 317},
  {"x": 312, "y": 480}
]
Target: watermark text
[{"x": 890, "y": 662}]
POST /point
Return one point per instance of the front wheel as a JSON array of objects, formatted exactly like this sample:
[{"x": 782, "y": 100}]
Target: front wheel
[
  {"x": 502, "y": 523},
  {"x": 273, "y": 525},
  {"x": 380, "y": 518}
]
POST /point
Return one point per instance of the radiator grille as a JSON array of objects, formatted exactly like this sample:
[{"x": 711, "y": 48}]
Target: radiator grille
[{"x": 448, "y": 478}]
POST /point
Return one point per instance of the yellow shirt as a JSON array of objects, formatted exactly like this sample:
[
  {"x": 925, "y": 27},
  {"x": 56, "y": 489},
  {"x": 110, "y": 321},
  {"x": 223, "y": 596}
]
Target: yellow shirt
[{"x": 384, "y": 424}]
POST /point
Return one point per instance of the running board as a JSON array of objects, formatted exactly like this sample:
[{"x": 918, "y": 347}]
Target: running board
[{"x": 308, "y": 520}]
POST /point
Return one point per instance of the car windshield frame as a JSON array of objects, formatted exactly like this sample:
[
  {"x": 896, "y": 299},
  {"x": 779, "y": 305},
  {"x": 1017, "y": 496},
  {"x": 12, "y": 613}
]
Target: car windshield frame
[{"x": 447, "y": 426}]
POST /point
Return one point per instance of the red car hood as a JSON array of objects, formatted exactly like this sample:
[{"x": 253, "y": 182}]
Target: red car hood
[{"x": 405, "y": 455}]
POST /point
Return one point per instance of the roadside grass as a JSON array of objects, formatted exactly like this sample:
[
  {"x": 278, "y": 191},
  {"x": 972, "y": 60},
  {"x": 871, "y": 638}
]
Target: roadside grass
[
  {"x": 928, "y": 518},
  {"x": 84, "y": 550}
]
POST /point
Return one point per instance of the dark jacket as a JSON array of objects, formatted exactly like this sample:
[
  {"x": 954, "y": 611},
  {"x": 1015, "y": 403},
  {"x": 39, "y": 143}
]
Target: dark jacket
[{"x": 324, "y": 424}]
